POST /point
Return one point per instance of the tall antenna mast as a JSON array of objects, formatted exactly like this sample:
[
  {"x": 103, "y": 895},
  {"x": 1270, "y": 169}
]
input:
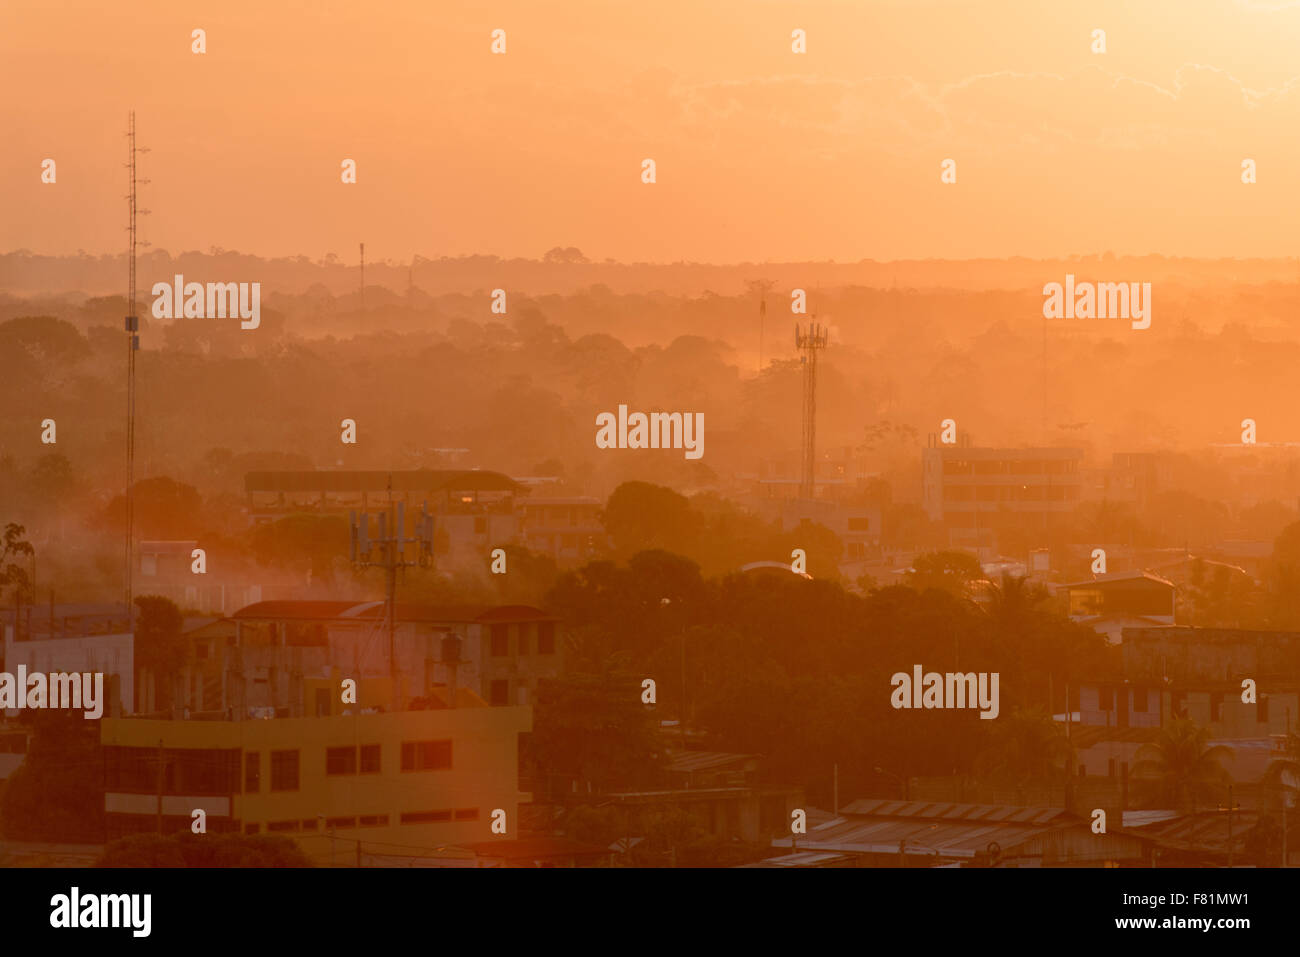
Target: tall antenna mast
[
  {"x": 388, "y": 551},
  {"x": 762, "y": 287},
  {"x": 809, "y": 342},
  {"x": 363, "y": 277},
  {"x": 132, "y": 346}
]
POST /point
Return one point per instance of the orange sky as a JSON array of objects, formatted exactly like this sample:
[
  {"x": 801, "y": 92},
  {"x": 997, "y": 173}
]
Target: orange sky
[{"x": 762, "y": 153}]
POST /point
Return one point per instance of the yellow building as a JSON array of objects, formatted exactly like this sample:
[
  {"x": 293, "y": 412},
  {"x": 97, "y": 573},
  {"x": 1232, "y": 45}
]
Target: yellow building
[{"x": 398, "y": 784}]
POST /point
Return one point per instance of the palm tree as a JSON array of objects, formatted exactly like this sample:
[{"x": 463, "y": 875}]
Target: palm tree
[
  {"x": 1284, "y": 773},
  {"x": 1028, "y": 746},
  {"x": 1015, "y": 599},
  {"x": 1182, "y": 765}
]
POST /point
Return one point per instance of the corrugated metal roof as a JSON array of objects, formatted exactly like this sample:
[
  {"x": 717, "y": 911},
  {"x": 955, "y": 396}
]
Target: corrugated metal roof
[
  {"x": 1119, "y": 578},
  {"x": 418, "y": 480},
  {"x": 942, "y": 837},
  {"x": 800, "y": 859},
  {"x": 1143, "y": 818},
  {"x": 703, "y": 760},
  {"x": 1087, "y": 735},
  {"x": 1203, "y": 831},
  {"x": 941, "y": 810},
  {"x": 343, "y": 610}
]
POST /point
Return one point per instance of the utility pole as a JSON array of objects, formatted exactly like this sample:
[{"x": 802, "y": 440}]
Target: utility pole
[
  {"x": 1229, "y": 825},
  {"x": 762, "y": 287},
  {"x": 1232, "y": 807},
  {"x": 1286, "y": 798},
  {"x": 683, "y": 717},
  {"x": 388, "y": 551},
  {"x": 161, "y": 764},
  {"x": 132, "y": 346}
]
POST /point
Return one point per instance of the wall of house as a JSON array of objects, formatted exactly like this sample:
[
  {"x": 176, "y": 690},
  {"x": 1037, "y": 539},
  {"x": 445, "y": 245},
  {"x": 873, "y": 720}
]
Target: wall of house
[{"x": 417, "y": 809}]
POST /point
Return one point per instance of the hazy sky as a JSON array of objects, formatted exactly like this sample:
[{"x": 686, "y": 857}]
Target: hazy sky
[{"x": 762, "y": 153}]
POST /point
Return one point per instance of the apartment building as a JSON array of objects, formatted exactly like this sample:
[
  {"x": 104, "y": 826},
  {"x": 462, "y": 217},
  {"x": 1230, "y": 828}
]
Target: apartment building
[
  {"x": 969, "y": 489},
  {"x": 406, "y": 783}
]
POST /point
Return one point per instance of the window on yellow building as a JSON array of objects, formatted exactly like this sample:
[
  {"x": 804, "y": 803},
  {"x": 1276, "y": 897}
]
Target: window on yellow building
[
  {"x": 425, "y": 817},
  {"x": 426, "y": 755},
  {"x": 284, "y": 771},
  {"x": 341, "y": 760}
]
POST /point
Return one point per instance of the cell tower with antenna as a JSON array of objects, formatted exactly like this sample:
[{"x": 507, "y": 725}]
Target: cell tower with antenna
[
  {"x": 809, "y": 342},
  {"x": 132, "y": 346},
  {"x": 388, "y": 551}
]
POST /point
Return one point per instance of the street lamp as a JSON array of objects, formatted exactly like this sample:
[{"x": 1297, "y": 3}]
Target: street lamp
[{"x": 907, "y": 795}]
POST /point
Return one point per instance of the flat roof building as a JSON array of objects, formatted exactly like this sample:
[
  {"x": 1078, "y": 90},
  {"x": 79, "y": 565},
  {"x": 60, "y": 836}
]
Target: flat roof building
[
  {"x": 402, "y": 783},
  {"x": 970, "y": 488}
]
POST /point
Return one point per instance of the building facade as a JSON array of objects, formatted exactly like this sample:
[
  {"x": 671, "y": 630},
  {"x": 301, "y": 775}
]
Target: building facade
[
  {"x": 969, "y": 489},
  {"x": 405, "y": 783}
]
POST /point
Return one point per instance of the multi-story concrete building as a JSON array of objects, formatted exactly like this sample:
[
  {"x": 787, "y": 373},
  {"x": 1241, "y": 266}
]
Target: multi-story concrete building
[
  {"x": 1133, "y": 478},
  {"x": 284, "y": 657},
  {"x": 858, "y": 526},
  {"x": 474, "y": 510},
  {"x": 167, "y": 569},
  {"x": 75, "y": 638},
  {"x": 1197, "y": 674},
  {"x": 569, "y": 530},
  {"x": 973, "y": 489},
  {"x": 403, "y": 784},
  {"x": 1112, "y": 604}
]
